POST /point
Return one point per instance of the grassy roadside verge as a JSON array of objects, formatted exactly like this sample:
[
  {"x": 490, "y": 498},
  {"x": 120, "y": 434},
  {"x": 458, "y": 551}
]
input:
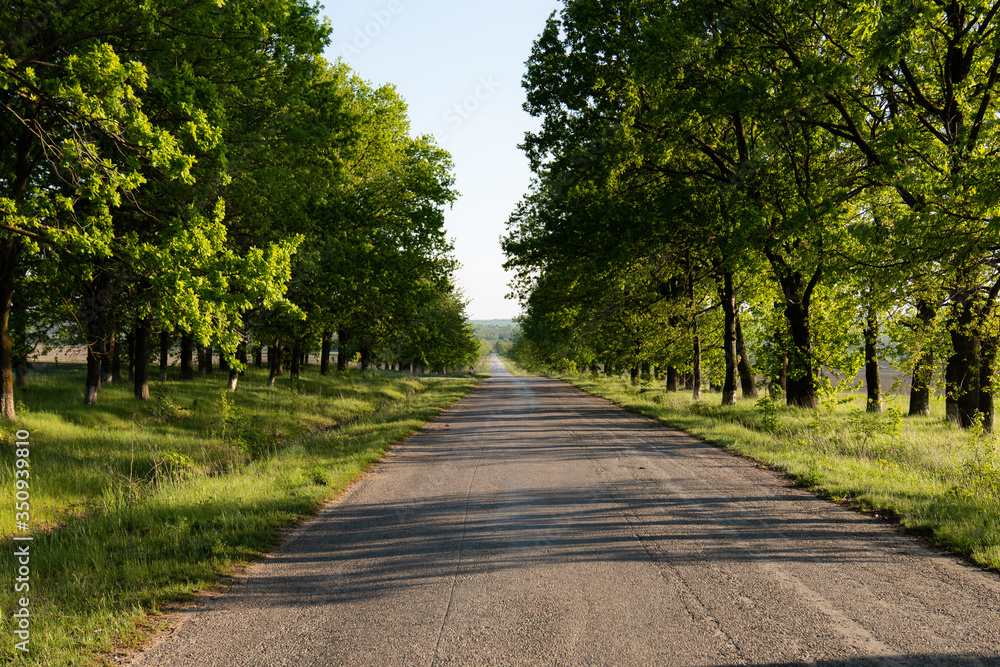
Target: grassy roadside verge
[
  {"x": 187, "y": 488},
  {"x": 935, "y": 479}
]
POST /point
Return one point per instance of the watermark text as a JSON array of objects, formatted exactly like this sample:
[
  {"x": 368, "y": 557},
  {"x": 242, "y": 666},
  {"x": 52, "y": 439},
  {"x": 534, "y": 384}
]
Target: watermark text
[{"x": 21, "y": 621}]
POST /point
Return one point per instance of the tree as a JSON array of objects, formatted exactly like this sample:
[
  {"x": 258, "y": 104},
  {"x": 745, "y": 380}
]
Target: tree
[
  {"x": 672, "y": 107},
  {"x": 81, "y": 139},
  {"x": 910, "y": 89},
  {"x": 119, "y": 174}
]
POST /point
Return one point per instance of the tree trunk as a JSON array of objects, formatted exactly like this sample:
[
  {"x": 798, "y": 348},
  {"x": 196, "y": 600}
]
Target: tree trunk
[
  {"x": 10, "y": 255},
  {"x": 130, "y": 351},
  {"x": 967, "y": 352},
  {"x": 116, "y": 358},
  {"x": 695, "y": 346},
  {"x": 799, "y": 387},
  {"x": 223, "y": 364},
  {"x": 10, "y": 250},
  {"x": 105, "y": 354},
  {"x": 258, "y": 356},
  {"x": 241, "y": 354},
  {"x": 164, "y": 354},
  {"x": 964, "y": 365},
  {"x": 873, "y": 379},
  {"x": 200, "y": 352},
  {"x": 93, "y": 317},
  {"x": 208, "y": 360},
  {"x": 295, "y": 367},
  {"x": 324, "y": 355},
  {"x": 342, "y": 338},
  {"x": 778, "y": 386},
  {"x": 796, "y": 376},
  {"x": 729, "y": 338},
  {"x": 274, "y": 361},
  {"x": 920, "y": 384},
  {"x": 187, "y": 356},
  {"x": 143, "y": 333},
  {"x": 800, "y": 390},
  {"x": 241, "y": 357},
  {"x": 696, "y": 371},
  {"x": 92, "y": 385},
  {"x": 748, "y": 382},
  {"x": 672, "y": 377},
  {"x": 19, "y": 350},
  {"x": 366, "y": 358},
  {"x": 951, "y": 383}
]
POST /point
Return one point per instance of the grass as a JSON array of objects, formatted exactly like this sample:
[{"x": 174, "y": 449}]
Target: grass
[
  {"x": 136, "y": 505},
  {"x": 932, "y": 477}
]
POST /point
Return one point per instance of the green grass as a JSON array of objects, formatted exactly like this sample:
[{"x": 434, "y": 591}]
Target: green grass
[
  {"x": 932, "y": 477},
  {"x": 136, "y": 505}
]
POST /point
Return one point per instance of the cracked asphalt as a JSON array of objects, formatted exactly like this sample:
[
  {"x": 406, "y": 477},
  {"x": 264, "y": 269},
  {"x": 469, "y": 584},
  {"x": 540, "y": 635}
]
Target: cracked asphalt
[{"x": 532, "y": 524}]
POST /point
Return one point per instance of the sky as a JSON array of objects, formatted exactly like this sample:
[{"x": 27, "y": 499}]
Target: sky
[{"x": 458, "y": 64}]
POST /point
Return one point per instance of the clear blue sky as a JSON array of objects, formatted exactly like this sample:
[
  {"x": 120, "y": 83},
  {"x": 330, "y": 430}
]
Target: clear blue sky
[{"x": 458, "y": 64}]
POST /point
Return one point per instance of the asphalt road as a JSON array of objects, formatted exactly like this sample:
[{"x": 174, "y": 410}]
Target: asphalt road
[{"x": 533, "y": 524}]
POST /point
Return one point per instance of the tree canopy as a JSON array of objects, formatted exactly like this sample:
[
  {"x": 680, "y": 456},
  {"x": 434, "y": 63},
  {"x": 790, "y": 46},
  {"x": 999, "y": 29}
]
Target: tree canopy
[
  {"x": 196, "y": 170},
  {"x": 789, "y": 190}
]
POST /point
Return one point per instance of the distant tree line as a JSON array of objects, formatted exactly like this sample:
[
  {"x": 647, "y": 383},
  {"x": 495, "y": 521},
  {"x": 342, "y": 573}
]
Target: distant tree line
[
  {"x": 192, "y": 177},
  {"x": 495, "y": 334},
  {"x": 738, "y": 189}
]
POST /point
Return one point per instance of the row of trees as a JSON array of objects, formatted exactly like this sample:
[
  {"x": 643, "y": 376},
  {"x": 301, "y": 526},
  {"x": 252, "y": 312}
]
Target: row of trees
[
  {"x": 796, "y": 185},
  {"x": 194, "y": 170}
]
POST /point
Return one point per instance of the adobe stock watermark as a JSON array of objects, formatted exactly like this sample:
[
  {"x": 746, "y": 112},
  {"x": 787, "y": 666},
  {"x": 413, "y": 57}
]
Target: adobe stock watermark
[
  {"x": 364, "y": 35},
  {"x": 461, "y": 111},
  {"x": 21, "y": 618}
]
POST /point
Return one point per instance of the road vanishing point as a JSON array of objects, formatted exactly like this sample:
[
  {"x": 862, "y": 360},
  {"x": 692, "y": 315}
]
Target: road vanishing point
[{"x": 533, "y": 524}]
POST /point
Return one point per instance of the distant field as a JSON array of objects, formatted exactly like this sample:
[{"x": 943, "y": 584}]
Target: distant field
[{"x": 893, "y": 380}]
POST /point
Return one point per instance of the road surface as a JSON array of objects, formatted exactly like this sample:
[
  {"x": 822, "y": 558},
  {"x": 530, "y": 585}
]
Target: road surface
[{"x": 532, "y": 524}]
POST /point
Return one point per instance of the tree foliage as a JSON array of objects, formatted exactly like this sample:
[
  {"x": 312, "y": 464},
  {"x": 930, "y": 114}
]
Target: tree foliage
[
  {"x": 196, "y": 169},
  {"x": 810, "y": 182}
]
